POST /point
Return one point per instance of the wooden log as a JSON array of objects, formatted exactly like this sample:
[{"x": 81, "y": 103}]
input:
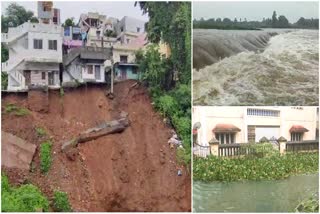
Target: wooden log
[
  {"x": 106, "y": 131},
  {"x": 105, "y": 128}
]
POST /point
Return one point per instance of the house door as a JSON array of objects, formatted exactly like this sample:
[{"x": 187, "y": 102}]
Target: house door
[
  {"x": 123, "y": 74},
  {"x": 97, "y": 72},
  {"x": 27, "y": 76},
  {"x": 51, "y": 78}
]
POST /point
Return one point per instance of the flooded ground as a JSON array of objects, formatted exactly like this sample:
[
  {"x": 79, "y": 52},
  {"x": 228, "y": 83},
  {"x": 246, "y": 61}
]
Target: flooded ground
[
  {"x": 253, "y": 196},
  {"x": 269, "y": 67}
]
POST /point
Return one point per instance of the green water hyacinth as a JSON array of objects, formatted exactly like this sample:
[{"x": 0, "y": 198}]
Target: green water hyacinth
[{"x": 271, "y": 167}]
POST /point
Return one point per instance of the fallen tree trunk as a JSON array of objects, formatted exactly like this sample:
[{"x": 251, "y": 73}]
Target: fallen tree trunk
[
  {"x": 94, "y": 135},
  {"x": 105, "y": 128}
]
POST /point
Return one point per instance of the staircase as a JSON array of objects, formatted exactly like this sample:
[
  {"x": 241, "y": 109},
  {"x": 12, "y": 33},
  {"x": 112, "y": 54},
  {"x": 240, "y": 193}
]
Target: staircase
[
  {"x": 16, "y": 75},
  {"x": 15, "y": 33}
]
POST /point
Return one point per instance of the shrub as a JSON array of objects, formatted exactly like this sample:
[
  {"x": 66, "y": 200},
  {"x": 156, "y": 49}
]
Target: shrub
[
  {"x": 5, "y": 187},
  {"x": 270, "y": 167},
  {"x": 167, "y": 105},
  {"x": 4, "y": 80},
  {"x": 26, "y": 198},
  {"x": 61, "y": 202},
  {"x": 18, "y": 111},
  {"x": 45, "y": 156},
  {"x": 182, "y": 96},
  {"x": 40, "y": 131}
]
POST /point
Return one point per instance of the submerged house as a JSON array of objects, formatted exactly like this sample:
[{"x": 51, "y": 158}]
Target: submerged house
[
  {"x": 251, "y": 124},
  {"x": 34, "y": 55},
  {"x": 85, "y": 64}
]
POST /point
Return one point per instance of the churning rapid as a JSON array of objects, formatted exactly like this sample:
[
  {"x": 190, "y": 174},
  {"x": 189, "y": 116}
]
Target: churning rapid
[{"x": 269, "y": 67}]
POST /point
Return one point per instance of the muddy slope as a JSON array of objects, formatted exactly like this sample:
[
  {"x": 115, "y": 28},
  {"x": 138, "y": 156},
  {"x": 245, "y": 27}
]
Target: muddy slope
[{"x": 132, "y": 171}]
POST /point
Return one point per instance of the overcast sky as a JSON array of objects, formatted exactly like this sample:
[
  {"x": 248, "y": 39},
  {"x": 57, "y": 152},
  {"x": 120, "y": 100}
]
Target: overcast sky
[
  {"x": 74, "y": 9},
  {"x": 255, "y": 10}
]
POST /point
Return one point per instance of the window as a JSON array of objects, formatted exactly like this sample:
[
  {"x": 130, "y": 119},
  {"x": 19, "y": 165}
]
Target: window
[
  {"x": 43, "y": 75},
  {"x": 123, "y": 58},
  {"x": 67, "y": 31},
  {"x": 52, "y": 45},
  {"x": 128, "y": 41},
  {"x": 55, "y": 20},
  {"x": 263, "y": 112},
  {"x": 134, "y": 70},
  {"x": 89, "y": 69},
  {"x": 138, "y": 29},
  {"x": 121, "y": 29},
  {"x": 296, "y": 136},
  {"x": 225, "y": 138},
  {"x": 37, "y": 43},
  {"x": 251, "y": 133},
  {"x": 46, "y": 8}
]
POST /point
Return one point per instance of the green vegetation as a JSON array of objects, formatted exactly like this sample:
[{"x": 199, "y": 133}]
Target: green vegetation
[
  {"x": 69, "y": 22},
  {"x": 269, "y": 167},
  {"x": 26, "y": 198},
  {"x": 309, "y": 205},
  {"x": 45, "y": 156},
  {"x": 61, "y": 202},
  {"x": 40, "y": 131},
  {"x": 15, "y": 15},
  {"x": 4, "y": 80},
  {"x": 169, "y": 79},
  {"x": 273, "y": 22},
  {"x": 61, "y": 92},
  {"x": 16, "y": 110}
]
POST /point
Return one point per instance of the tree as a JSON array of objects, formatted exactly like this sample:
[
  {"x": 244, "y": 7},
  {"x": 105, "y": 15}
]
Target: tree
[
  {"x": 69, "y": 22},
  {"x": 170, "y": 22},
  {"x": 34, "y": 20},
  {"x": 227, "y": 21},
  {"x": 283, "y": 22},
  {"x": 274, "y": 19},
  {"x": 15, "y": 15}
]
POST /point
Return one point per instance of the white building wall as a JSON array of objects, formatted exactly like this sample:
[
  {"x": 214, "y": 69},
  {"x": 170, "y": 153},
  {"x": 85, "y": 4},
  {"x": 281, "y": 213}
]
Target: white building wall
[
  {"x": 209, "y": 117},
  {"x": 130, "y": 24},
  {"x": 21, "y": 48},
  {"x": 118, "y": 52},
  {"x": 45, "y": 54},
  {"x": 79, "y": 72},
  {"x": 36, "y": 78}
]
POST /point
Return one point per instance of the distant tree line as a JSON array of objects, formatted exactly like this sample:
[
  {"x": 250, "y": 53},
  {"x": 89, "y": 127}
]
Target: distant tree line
[{"x": 242, "y": 24}]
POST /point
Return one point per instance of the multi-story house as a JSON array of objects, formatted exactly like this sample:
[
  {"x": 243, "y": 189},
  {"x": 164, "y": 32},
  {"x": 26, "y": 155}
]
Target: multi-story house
[
  {"x": 34, "y": 55},
  {"x": 47, "y": 14},
  {"x": 85, "y": 64},
  {"x": 250, "y": 124}
]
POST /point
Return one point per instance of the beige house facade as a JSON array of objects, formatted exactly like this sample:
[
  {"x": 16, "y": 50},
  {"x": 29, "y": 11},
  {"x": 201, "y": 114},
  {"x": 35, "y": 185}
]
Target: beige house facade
[{"x": 250, "y": 124}]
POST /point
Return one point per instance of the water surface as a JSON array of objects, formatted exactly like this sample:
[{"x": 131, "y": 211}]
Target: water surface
[
  {"x": 253, "y": 196},
  {"x": 269, "y": 67}
]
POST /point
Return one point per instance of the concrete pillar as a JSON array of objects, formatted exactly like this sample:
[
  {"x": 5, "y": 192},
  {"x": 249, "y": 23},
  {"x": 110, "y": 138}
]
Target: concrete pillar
[
  {"x": 214, "y": 146},
  {"x": 282, "y": 145}
]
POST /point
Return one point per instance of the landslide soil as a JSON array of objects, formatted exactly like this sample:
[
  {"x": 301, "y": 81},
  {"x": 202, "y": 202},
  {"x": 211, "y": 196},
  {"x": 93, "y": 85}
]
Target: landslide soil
[{"x": 135, "y": 170}]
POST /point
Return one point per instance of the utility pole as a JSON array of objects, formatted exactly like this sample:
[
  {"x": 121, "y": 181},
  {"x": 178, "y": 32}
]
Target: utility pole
[{"x": 112, "y": 75}]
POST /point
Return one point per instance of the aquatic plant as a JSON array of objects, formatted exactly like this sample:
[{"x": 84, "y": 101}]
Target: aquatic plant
[
  {"x": 269, "y": 167},
  {"x": 309, "y": 205}
]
